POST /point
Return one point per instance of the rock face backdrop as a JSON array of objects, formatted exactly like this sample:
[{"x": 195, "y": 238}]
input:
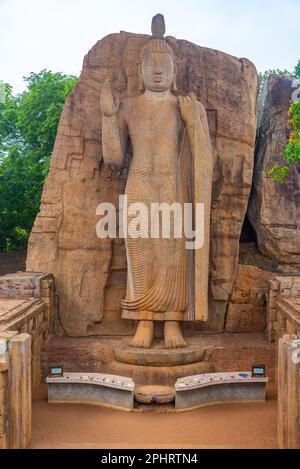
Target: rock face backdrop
[
  {"x": 274, "y": 208},
  {"x": 90, "y": 273}
]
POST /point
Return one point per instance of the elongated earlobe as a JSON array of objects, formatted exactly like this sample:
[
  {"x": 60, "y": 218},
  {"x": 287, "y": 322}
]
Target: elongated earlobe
[
  {"x": 174, "y": 85},
  {"x": 141, "y": 84}
]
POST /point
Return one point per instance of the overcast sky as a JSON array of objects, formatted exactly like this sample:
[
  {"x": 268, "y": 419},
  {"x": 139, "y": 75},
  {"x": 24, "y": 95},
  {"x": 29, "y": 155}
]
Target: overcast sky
[{"x": 56, "y": 34}]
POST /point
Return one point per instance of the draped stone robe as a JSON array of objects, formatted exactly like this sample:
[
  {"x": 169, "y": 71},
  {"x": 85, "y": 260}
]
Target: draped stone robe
[{"x": 171, "y": 162}]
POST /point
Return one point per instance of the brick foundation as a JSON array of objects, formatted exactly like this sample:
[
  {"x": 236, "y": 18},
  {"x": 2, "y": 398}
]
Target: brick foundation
[{"x": 232, "y": 352}]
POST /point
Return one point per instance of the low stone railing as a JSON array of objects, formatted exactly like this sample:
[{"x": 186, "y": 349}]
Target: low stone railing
[
  {"x": 26, "y": 311},
  {"x": 26, "y": 306},
  {"x": 283, "y": 307},
  {"x": 284, "y": 327},
  {"x": 92, "y": 388},
  {"x": 215, "y": 388}
]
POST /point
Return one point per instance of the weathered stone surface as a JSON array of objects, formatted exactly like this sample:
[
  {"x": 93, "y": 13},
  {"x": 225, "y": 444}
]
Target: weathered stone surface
[
  {"x": 220, "y": 393},
  {"x": 247, "y": 304},
  {"x": 288, "y": 393},
  {"x": 230, "y": 351},
  {"x": 159, "y": 357},
  {"x": 13, "y": 311},
  {"x": 154, "y": 394},
  {"x": 171, "y": 153},
  {"x": 283, "y": 311},
  {"x": 90, "y": 273},
  {"x": 26, "y": 305},
  {"x": 82, "y": 393},
  {"x": 3, "y": 406},
  {"x": 25, "y": 285},
  {"x": 159, "y": 375},
  {"x": 274, "y": 208},
  {"x": 20, "y": 392}
]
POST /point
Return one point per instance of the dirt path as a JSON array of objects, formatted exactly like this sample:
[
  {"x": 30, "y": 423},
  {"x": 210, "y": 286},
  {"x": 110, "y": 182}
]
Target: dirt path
[{"x": 222, "y": 426}]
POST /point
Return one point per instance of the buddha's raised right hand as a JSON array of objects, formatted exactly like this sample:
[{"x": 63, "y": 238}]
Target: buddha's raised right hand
[{"x": 109, "y": 107}]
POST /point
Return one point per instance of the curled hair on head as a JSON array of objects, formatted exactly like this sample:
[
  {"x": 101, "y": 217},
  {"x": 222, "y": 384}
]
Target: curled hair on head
[
  {"x": 161, "y": 46},
  {"x": 156, "y": 45}
]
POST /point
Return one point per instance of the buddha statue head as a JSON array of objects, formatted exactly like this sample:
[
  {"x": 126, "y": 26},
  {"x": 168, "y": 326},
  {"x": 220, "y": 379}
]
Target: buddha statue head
[{"x": 157, "y": 66}]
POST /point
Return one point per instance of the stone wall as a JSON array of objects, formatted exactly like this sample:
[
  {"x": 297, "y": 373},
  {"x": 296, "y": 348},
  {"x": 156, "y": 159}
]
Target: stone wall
[
  {"x": 90, "y": 273},
  {"x": 26, "y": 306},
  {"x": 283, "y": 308},
  {"x": 247, "y": 303},
  {"x": 26, "y": 317}
]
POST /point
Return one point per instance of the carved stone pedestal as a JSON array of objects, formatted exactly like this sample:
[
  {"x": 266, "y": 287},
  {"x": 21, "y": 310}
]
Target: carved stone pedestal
[
  {"x": 154, "y": 394},
  {"x": 158, "y": 356},
  {"x": 155, "y": 370}
]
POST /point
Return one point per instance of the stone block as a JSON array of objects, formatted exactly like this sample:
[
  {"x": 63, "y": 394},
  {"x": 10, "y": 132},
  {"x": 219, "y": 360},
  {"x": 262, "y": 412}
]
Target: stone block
[
  {"x": 92, "y": 388},
  {"x": 20, "y": 392},
  {"x": 21, "y": 285},
  {"x": 218, "y": 388},
  {"x": 245, "y": 318}
]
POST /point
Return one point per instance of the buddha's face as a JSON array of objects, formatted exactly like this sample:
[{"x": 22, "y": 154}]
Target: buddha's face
[{"x": 158, "y": 71}]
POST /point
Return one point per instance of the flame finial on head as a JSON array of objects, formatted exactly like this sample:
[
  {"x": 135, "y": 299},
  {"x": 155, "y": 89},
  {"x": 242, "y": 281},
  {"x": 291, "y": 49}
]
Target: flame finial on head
[
  {"x": 157, "y": 42},
  {"x": 158, "y": 27}
]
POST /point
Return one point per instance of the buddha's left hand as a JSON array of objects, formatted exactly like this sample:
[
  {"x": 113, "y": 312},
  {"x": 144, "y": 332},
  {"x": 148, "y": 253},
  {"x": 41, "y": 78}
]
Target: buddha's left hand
[{"x": 189, "y": 107}]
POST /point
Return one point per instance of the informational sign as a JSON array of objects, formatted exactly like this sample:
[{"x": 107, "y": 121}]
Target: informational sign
[
  {"x": 56, "y": 371},
  {"x": 258, "y": 371}
]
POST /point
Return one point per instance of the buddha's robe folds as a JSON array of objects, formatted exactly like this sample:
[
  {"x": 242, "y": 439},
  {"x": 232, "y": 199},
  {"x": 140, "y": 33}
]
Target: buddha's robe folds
[{"x": 171, "y": 162}]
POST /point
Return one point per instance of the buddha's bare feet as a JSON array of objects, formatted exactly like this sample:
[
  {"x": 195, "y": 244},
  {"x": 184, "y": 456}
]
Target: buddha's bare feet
[
  {"x": 173, "y": 335},
  {"x": 144, "y": 335}
]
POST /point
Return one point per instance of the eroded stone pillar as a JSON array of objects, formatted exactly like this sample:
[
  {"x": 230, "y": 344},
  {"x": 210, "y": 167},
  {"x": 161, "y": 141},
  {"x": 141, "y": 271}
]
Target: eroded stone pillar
[
  {"x": 289, "y": 392},
  {"x": 20, "y": 391},
  {"x": 3, "y": 408}
]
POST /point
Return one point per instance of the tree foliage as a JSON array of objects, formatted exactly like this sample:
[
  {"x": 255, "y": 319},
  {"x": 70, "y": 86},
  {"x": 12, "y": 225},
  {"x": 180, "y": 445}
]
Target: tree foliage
[
  {"x": 263, "y": 76},
  {"x": 291, "y": 153},
  {"x": 297, "y": 70},
  {"x": 28, "y": 125}
]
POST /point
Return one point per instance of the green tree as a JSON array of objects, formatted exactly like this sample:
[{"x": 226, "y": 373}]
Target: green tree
[
  {"x": 28, "y": 125},
  {"x": 297, "y": 70},
  {"x": 8, "y": 118},
  {"x": 291, "y": 153},
  {"x": 263, "y": 76}
]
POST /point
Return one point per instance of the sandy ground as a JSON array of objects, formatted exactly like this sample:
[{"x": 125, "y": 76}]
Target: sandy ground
[{"x": 221, "y": 426}]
